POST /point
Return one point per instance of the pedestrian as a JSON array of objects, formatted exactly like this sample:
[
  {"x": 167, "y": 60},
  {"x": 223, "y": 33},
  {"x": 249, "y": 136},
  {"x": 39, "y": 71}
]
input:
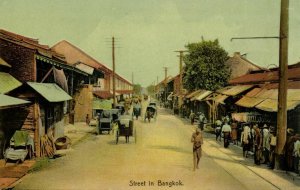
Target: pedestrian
[
  {"x": 234, "y": 132},
  {"x": 272, "y": 140},
  {"x": 266, "y": 144},
  {"x": 192, "y": 117},
  {"x": 257, "y": 145},
  {"x": 201, "y": 121},
  {"x": 197, "y": 140},
  {"x": 87, "y": 119},
  {"x": 245, "y": 140},
  {"x": 218, "y": 129},
  {"x": 226, "y": 130}
]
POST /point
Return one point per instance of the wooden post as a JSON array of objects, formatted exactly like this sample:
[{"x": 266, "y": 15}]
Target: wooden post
[
  {"x": 36, "y": 115},
  {"x": 114, "y": 72},
  {"x": 282, "y": 90}
]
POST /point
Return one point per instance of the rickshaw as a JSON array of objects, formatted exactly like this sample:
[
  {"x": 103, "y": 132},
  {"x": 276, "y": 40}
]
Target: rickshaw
[
  {"x": 125, "y": 128},
  {"x": 121, "y": 107},
  {"x": 106, "y": 118},
  {"x": 151, "y": 112}
]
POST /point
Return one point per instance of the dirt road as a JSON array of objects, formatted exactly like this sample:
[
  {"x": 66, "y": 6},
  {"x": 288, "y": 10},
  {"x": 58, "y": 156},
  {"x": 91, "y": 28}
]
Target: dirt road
[{"x": 161, "y": 159}]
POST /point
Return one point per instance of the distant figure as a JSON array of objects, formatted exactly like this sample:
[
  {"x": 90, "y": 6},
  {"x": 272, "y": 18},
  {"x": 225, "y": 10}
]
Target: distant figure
[
  {"x": 245, "y": 140},
  {"x": 257, "y": 145},
  {"x": 192, "y": 117},
  {"x": 226, "y": 130},
  {"x": 197, "y": 140},
  {"x": 87, "y": 119},
  {"x": 201, "y": 121},
  {"x": 272, "y": 140},
  {"x": 218, "y": 129},
  {"x": 234, "y": 132}
]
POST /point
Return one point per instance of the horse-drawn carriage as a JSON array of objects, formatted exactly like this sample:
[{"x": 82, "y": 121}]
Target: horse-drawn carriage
[
  {"x": 125, "y": 128},
  {"x": 151, "y": 112}
]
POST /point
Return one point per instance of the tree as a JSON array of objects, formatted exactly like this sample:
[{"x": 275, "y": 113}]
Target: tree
[
  {"x": 205, "y": 66},
  {"x": 151, "y": 89},
  {"x": 137, "y": 89}
]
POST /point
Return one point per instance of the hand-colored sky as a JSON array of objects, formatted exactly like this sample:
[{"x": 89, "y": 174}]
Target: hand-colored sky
[{"x": 149, "y": 31}]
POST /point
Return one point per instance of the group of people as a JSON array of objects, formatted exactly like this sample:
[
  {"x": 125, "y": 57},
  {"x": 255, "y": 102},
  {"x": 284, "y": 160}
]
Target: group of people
[
  {"x": 201, "y": 119},
  {"x": 261, "y": 141}
]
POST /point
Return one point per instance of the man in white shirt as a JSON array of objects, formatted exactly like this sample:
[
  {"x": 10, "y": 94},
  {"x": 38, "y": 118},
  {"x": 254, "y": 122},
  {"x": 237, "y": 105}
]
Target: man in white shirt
[
  {"x": 296, "y": 155},
  {"x": 226, "y": 130}
]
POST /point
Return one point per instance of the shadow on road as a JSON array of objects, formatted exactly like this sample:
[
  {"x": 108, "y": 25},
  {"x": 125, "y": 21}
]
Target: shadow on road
[{"x": 172, "y": 148}]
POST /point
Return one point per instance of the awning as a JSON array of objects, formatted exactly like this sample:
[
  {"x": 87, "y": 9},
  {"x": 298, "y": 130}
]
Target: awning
[
  {"x": 192, "y": 94},
  {"x": 272, "y": 105},
  {"x": 59, "y": 64},
  {"x": 8, "y": 82},
  {"x": 234, "y": 90},
  {"x": 8, "y": 102},
  {"x": 50, "y": 91},
  {"x": 85, "y": 68},
  {"x": 266, "y": 100},
  {"x": 220, "y": 98},
  {"x": 102, "y": 104},
  {"x": 103, "y": 94},
  {"x": 249, "y": 102},
  {"x": 202, "y": 95}
]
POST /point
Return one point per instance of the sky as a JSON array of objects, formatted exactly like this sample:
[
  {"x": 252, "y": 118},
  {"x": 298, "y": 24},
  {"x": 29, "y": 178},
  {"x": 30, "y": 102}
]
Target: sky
[{"x": 148, "y": 32}]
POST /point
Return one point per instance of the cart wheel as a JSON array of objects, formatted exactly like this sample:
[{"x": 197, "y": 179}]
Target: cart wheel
[{"x": 117, "y": 137}]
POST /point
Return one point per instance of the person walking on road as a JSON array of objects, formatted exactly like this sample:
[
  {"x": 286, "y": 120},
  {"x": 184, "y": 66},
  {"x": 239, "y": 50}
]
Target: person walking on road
[
  {"x": 192, "y": 117},
  {"x": 197, "y": 140},
  {"x": 218, "y": 129},
  {"x": 226, "y": 130}
]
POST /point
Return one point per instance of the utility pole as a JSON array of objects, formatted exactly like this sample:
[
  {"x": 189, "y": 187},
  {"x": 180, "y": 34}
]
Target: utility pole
[
  {"x": 180, "y": 76},
  {"x": 114, "y": 72},
  {"x": 282, "y": 90},
  {"x": 165, "y": 82}
]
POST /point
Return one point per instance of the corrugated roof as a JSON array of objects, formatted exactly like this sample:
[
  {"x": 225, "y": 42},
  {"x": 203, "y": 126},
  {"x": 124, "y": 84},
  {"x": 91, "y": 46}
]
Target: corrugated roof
[
  {"x": 272, "y": 76},
  {"x": 266, "y": 99},
  {"x": 203, "y": 94},
  {"x": 248, "y": 102},
  {"x": 270, "y": 105},
  {"x": 4, "y": 63},
  {"x": 220, "y": 98},
  {"x": 50, "y": 91},
  {"x": 234, "y": 90},
  {"x": 291, "y": 85},
  {"x": 8, "y": 82},
  {"x": 8, "y": 101},
  {"x": 192, "y": 94}
]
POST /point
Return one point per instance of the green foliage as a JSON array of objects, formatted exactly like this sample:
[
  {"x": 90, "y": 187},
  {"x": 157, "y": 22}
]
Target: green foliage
[
  {"x": 151, "y": 89},
  {"x": 137, "y": 89},
  {"x": 204, "y": 66}
]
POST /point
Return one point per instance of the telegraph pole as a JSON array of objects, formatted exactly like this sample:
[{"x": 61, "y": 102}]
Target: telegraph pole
[
  {"x": 180, "y": 76},
  {"x": 282, "y": 89},
  {"x": 114, "y": 72},
  {"x": 165, "y": 82}
]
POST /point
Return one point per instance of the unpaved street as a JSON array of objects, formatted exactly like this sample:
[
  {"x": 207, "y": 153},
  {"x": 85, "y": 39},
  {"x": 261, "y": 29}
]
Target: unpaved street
[{"x": 163, "y": 152}]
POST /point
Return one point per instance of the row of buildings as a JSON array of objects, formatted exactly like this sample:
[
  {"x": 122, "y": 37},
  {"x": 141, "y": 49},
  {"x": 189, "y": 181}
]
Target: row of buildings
[
  {"x": 251, "y": 95},
  {"x": 44, "y": 88}
]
